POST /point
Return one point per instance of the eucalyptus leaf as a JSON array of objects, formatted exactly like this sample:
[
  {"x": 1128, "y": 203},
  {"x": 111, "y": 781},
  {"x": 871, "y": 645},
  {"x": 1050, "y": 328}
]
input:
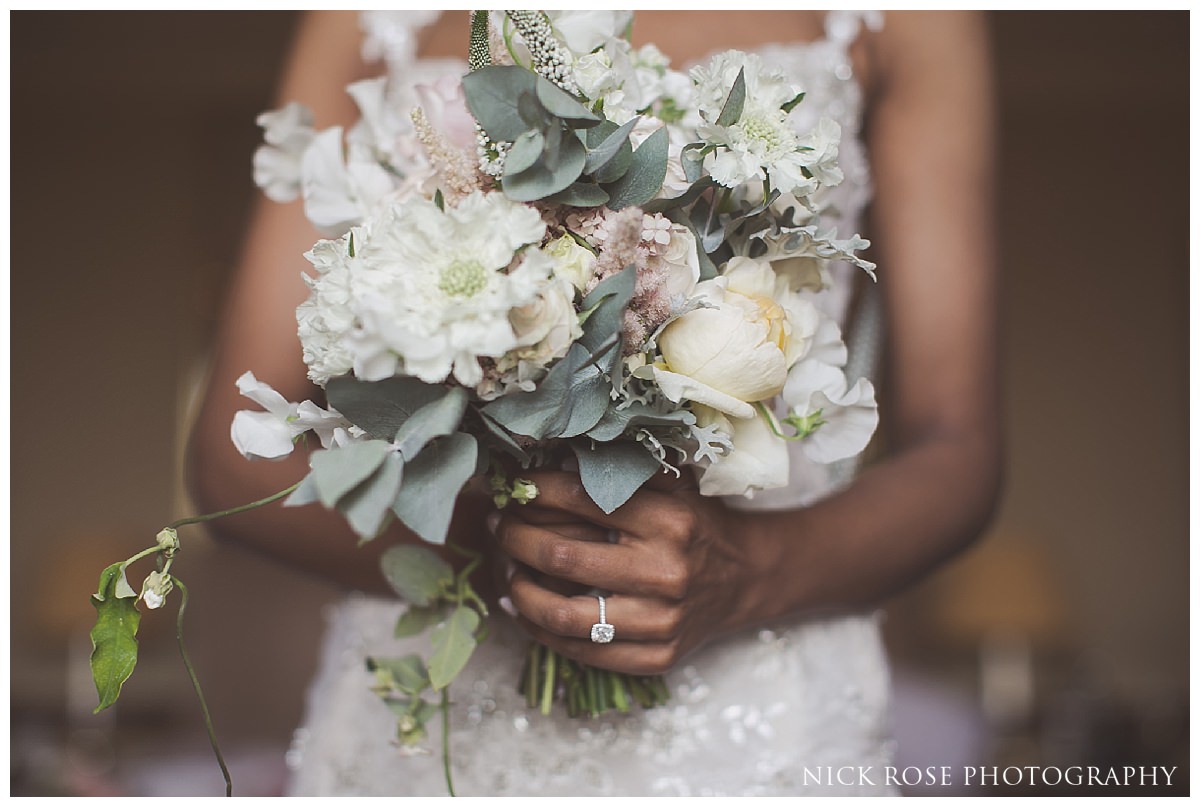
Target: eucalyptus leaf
[
  {"x": 686, "y": 198},
  {"x": 645, "y": 176},
  {"x": 790, "y": 105},
  {"x": 416, "y": 573},
  {"x": 547, "y": 411},
  {"x": 600, "y": 155},
  {"x": 612, "y": 472},
  {"x": 435, "y": 419},
  {"x": 607, "y": 303},
  {"x": 416, "y": 619},
  {"x": 492, "y": 95},
  {"x": 432, "y": 482},
  {"x": 306, "y": 493},
  {"x": 506, "y": 441},
  {"x": 561, "y": 104},
  {"x": 337, "y": 471},
  {"x": 366, "y": 507},
  {"x": 524, "y": 152},
  {"x": 407, "y": 674},
  {"x": 560, "y": 165},
  {"x": 579, "y": 194},
  {"x": 734, "y": 102},
  {"x": 453, "y": 643},
  {"x": 531, "y": 111},
  {"x": 380, "y": 407},
  {"x": 616, "y": 167},
  {"x": 114, "y": 638}
]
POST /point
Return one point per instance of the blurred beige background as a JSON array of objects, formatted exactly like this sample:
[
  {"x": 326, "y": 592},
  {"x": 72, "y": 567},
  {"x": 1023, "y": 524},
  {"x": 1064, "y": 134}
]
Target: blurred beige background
[{"x": 1063, "y": 637}]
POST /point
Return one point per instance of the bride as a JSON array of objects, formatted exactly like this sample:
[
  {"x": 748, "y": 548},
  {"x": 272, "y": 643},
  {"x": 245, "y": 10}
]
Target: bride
[{"x": 759, "y": 611}]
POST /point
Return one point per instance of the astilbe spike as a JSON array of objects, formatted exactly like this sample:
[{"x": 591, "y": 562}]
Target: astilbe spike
[{"x": 459, "y": 173}]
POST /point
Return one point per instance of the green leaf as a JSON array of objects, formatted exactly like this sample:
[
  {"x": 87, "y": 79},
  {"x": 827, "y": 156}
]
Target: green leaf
[
  {"x": 612, "y": 472},
  {"x": 602, "y": 154},
  {"x": 380, "y": 407},
  {"x": 579, "y": 194},
  {"x": 790, "y": 105},
  {"x": 524, "y": 152},
  {"x": 507, "y": 443},
  {"x": 453, "y": 643},
  {"x": 561, "y": 104},
  {"x": 607, "y": 303},
  {"x": 114, "y": 637},
  {"x": 561, "y": 164},
  {"x": 435, "y": 419},
  {"x": 493, "y": 94},
  {"x": 734, "y": 102},
  {"x": 416, "y": 619},
  {"x": 693, "y": 166},
  {"x": 432, "y": 482},
  {"x": 619, "y": 164},
  {"x": 548, "y": 410},
  {"x": 306, "y": 493},
  {"x": 407, "y": 674},
  {"x": 616, "y": 422},
  {"x": 416, "y": 573},
  {"x": 366, "y": 506},
  {"x": 645, "y": 176},
  {"x": 687, "y": 197},
  {"x": 123, "y": 590},
  {"x": 337, "y": 471}
]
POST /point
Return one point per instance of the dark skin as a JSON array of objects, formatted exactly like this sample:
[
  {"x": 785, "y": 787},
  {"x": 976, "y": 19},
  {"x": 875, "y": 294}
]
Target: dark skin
[{"x": 687, "y": 569}]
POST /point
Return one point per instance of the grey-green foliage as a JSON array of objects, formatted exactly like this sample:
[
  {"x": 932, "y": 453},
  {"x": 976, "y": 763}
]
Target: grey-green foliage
[
  {"x": 612, "y": 472},
  {"x": 432, "y": 481},
  {"x": 558, "y": 148}
]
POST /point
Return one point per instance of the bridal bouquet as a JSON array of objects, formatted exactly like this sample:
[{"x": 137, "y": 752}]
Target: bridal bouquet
[{"x": 572, "y": 251}]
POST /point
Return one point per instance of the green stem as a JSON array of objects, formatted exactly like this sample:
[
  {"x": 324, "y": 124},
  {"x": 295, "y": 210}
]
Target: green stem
[
  {"x": 446, "y": 738},
  {"x": 142, "y": 554},
  {"x": 241, "y": 509},
  {"x": 548, "y": 685},
  {"x": 187, "y": 663}
]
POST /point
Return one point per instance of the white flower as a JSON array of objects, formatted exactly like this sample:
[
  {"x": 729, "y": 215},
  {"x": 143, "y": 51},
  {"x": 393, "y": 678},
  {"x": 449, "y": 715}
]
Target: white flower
[
  {"x": 287, "y": 132},
  {"x": 821, "y": 154},
  {"x": 584, "y": 31},
  {"x": 757, "y": 459},
  {"x": 681, "y": 255},
  {"x": 571, "y": 260},
  {"x": 594, "y": 74},
  {"x": 737, "y": 349},
  {"x": 340, "y": 192},
  {"x": 545, "y": 328},
  {"x": 767, "y": 88},
  {"x": 431, "y": 291},
  {"x": 838, "y": 421},
  {"x": 272, "y": 434}
]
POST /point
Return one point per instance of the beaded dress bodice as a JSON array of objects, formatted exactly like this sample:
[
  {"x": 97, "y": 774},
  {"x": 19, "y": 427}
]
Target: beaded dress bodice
[{"x": 748, "y": 714}]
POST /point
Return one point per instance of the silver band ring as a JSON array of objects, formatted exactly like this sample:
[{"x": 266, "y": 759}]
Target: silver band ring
[{"x": 602, "y": 632}]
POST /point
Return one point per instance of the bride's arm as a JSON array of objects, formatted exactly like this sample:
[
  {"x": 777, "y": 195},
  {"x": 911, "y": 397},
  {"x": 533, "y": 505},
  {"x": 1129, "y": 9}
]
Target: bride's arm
[
  {"x": 687, "y": 568},
  {"x": 257, "y": 332}
]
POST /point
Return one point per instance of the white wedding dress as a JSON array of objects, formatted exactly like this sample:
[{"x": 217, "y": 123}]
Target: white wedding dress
[{"x": 768, "y": 712}]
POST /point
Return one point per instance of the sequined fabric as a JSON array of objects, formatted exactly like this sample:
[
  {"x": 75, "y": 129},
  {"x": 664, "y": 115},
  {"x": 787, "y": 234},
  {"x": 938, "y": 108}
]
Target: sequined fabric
[{"x": 761, "y": 713}]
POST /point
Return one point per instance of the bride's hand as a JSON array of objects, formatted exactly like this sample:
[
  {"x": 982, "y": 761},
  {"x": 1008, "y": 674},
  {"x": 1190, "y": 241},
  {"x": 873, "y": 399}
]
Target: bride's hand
[{"x": 674, "y": 577}]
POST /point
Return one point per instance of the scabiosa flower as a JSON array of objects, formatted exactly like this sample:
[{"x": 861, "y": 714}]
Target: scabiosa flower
[{"x": 427, "y": 292}]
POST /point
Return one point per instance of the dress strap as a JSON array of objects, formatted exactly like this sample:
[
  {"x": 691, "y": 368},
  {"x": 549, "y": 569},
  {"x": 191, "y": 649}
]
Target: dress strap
[{"x": 843, "y": 26}]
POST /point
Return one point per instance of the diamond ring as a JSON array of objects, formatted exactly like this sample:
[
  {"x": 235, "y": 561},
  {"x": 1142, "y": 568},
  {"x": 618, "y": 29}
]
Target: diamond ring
[{"x": 602, "y": 632}]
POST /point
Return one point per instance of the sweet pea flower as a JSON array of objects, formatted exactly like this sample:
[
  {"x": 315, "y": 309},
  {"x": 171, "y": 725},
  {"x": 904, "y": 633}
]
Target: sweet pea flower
[
  {"x": 837, "y": 420},
  {"x": 758, "y": 459},
  {"x": 271, "y": 434}
]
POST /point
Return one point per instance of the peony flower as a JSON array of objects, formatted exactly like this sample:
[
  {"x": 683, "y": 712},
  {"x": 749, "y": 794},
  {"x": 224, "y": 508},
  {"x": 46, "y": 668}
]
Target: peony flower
[
  {"x": 758, "y": 460},
  {"x": 833, "y": 420},
  {"x": 737, "y": 349}
]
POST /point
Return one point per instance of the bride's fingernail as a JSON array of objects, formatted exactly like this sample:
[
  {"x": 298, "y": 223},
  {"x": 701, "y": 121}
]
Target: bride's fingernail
[
  {"x": 492, "y": 520},
  {"x": 510, "y": 569},
  {"x": 506, "y": 605}
]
